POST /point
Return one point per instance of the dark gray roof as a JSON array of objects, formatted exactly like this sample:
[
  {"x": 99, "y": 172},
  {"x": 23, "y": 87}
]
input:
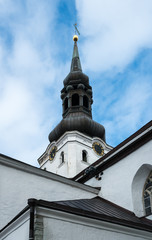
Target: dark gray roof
[
  {"x": 82, "y": 124},
  {"x": 101, "y": 209}
]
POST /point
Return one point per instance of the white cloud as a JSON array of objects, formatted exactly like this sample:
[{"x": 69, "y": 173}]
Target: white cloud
[
  {"x": 28, "y": 78},
  {"x": 129, "y": 110},
  {"x": 115, "y": 31}
]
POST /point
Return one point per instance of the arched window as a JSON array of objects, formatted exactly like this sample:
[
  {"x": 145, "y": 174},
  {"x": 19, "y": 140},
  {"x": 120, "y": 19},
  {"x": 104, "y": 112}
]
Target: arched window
[
  {"x": 148, "y": 195},
  {"x": 84, "y": 156},
  {"x": 85, "y": 101},
  {"x": 75, "y": 99},
  {"x": 139, "y": 187},
  {"x": 62, "y": 157},
  {"x": 65, "y": 104}
]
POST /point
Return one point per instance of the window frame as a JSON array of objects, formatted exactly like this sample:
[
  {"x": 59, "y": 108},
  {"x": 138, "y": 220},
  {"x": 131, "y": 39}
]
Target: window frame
[
  {"x": 84, "y": 157},
  {"x": 147, "y": 195}
]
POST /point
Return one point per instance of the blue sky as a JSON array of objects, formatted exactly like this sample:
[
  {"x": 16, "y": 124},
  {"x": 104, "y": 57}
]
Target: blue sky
[{"x": 115, "y": 47}]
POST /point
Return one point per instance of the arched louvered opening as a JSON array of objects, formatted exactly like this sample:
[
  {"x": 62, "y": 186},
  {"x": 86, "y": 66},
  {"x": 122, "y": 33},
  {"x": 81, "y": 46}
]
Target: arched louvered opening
[
  {"x": 85, "y": 101},
  {"x": 75, "y": 100},
  {"x": 65, "y": 104}
]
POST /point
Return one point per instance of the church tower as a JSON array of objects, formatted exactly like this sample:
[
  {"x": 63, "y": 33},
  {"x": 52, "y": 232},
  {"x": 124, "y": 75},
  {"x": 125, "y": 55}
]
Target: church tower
[{"x": 77, "y": 141}]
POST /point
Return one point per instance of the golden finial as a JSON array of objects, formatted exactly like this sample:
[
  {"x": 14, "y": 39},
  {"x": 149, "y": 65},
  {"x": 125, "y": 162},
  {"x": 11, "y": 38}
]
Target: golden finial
[{"x": 75, "y": 38}]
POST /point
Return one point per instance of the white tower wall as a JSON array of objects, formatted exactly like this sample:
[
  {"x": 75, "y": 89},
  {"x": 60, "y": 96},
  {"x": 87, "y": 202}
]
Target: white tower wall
[{"x": 72, "y": 144}]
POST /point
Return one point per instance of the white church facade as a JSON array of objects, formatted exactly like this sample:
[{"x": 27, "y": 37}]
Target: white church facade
[{"x": 84, "y": 188}]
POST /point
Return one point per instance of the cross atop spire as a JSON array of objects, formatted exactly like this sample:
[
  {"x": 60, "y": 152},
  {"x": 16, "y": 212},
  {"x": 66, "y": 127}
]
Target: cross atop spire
[{"x": 76, "y": 29}]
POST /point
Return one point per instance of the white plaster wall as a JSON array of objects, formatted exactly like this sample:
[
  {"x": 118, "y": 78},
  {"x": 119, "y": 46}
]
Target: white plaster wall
[
  {"x": 16, "y": 186},
  {"x": 116, "y": 183},
  {"x": 149, "y": 217},
  {"x": 59, "y": 229},
  {"x": 19, "y": 232}
]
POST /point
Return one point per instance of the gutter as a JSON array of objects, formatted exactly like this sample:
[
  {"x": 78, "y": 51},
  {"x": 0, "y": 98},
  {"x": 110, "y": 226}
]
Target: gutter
[{"x": 32, "y": 205}]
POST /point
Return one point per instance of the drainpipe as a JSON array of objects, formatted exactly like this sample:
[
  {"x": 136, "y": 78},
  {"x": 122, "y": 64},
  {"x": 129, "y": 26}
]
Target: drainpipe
[{"x": 32, "y": 204}]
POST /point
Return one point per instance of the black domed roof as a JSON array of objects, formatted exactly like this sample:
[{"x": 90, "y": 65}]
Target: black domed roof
[
  {"x": 82, "y": 124},
  {"x": 76, "y": 76}
]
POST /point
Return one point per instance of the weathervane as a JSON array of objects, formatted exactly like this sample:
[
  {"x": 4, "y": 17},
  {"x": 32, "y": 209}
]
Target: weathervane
[
  {"x": 76, "y": 29},
  {"x": 75, "y": 37}
]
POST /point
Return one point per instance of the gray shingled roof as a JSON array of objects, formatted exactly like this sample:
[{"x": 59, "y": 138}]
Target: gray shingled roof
[
  {"x": 99, "y": 208},
  {"x": 95, "y": 208}
]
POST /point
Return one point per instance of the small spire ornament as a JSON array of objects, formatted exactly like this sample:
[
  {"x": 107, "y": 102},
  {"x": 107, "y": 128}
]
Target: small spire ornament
[{"x": 75, "y": 37}]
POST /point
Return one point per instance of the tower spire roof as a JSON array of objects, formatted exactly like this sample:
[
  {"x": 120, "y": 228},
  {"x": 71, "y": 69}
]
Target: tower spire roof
[
  {"x": 77, "y": 99},
  {"x": 75, "y": 64}
]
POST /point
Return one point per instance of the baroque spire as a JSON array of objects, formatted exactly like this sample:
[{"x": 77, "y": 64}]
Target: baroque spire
[{"x": 77, "y": 102}]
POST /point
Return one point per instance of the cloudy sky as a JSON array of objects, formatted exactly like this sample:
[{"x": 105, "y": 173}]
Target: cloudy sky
[{"x": 115, "y": 47}]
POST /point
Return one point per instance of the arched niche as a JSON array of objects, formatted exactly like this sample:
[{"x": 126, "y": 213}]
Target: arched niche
[
  {"x": 75, "y": 99},
  {"x": 62, "y": 157},
  {"x": 85, "y": 101},
  {"x": 138, "y": 185},
  {"x": 84, "y": 156}
]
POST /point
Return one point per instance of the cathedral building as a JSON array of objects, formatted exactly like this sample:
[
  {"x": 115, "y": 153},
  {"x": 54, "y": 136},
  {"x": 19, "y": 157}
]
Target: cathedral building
[{"x": 84, "y": 188}]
